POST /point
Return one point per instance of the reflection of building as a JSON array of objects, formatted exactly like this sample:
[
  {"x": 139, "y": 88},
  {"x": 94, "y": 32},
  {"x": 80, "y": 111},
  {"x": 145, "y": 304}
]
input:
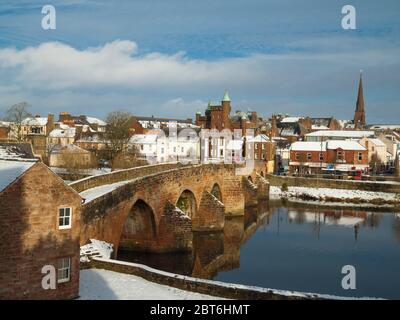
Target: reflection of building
[
  {"x": 328, "y": 217},
  {"x": 37, "y": 234}
]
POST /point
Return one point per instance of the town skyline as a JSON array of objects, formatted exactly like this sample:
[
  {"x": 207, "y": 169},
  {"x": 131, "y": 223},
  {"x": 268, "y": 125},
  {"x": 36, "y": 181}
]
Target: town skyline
[{"x": 298, "y": 60}]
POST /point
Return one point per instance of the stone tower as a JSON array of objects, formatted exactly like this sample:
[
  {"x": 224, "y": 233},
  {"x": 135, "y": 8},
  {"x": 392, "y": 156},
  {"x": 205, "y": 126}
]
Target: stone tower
[
  {"x": 226, "y": 110},
  {"x": 359, "y": 115}
]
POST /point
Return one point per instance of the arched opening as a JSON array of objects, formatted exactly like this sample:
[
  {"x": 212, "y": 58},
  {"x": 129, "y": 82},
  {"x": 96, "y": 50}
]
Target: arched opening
[
  {"x": 139, "y": 228},
  {"x": 250, "y": 179},
  {"x": 187, "y": 203},
  {"x": 216, "y": 191}
]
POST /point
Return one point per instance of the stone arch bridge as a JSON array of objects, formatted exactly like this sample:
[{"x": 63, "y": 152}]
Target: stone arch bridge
[{"x": 156, "y": 208}]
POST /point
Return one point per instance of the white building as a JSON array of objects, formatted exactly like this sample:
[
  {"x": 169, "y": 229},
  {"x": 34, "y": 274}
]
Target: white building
[{"x": 159, "y": 148}]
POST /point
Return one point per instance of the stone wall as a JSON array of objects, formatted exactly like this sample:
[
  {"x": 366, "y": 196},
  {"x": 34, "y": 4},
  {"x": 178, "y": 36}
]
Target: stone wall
[
  {"x": 218, "y": 289},
  {"x": 30, "y": 237},
  {"x": 334, "y": 184}
]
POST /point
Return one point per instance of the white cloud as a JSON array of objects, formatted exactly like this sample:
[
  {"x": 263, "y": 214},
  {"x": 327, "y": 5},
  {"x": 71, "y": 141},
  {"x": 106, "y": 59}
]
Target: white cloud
[{"x": 114, "y": 75}]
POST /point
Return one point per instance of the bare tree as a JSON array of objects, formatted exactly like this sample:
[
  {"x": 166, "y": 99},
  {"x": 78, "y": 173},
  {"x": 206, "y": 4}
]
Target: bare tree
[
  {"x": 16, "y": 114},
  {"x": 117, "y": 133}
]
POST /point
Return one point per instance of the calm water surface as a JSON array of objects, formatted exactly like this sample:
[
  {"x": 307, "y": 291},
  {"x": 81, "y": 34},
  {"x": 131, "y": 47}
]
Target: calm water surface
[{"x": 295, "y": 249}]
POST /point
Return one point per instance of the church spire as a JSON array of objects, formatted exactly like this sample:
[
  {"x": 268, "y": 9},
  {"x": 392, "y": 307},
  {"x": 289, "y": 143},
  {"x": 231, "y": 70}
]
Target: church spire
[{"x": 359, "y": 115}]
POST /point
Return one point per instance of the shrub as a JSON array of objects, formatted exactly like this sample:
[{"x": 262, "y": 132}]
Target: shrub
[{"x": 284, "y": 187}]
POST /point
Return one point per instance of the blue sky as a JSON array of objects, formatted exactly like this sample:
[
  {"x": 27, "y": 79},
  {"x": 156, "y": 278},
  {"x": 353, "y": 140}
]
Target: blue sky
[{"x": 170, "y": 57}]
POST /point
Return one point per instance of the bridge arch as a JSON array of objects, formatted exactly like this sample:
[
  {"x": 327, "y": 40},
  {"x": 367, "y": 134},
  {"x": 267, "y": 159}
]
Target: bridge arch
[
  {"x": 139, "y": 229},
  {"x": 187, "y": 203},
  {"x": 216, "y": 191}
]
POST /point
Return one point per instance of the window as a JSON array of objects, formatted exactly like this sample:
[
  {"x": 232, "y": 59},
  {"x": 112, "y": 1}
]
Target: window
[
  {"x": 222, "y": 141},
  {"x": 297, "y": 156},
  {"x": 64, "y": 219},
  {"x": 340, "y": 155},
  {"x": 321, "y": 157},
  {"x": 162, "y": 150},
  {"x": 263, "y": 156},
  {"x": 174, "y": 149},
  {"x": 263, "y": 146},
  {"x": 373, "y": 149},
  {"x": 360, "y": 156},
  {"x": 182, "y": 149},
  {"x": 64, "y": 270},
  {"x": 256, "y": 156},
  {"x": 256, "y": 146},
  {"x": 221, "y": 152},
  {"x": 309, "y": 156}
]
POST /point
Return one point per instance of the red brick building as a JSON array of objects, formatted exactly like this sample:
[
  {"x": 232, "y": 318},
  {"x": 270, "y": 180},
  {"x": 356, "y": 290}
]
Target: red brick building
[
  {"x": 39, "y": 226},
  {"x": 314, "y": 157},
  {"x": 4, "y": 130},
  {"x": 219, "y": 117}
]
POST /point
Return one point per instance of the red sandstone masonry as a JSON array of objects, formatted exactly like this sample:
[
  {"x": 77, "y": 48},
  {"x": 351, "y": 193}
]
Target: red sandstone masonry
[
  {"x": 30, "y": 238},
  {"x": 121, "y": 175},
  {"x": 104, "y": 217}
]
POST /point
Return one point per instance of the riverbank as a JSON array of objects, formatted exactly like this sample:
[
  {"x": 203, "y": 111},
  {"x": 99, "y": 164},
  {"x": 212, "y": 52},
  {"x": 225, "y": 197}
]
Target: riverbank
[
  {"x": 337, "y": 197},
  {"x": 100, "y": 284}
]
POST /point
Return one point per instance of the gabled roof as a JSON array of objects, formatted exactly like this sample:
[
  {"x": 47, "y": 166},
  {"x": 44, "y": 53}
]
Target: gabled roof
[{"x": 12, "y": 170}]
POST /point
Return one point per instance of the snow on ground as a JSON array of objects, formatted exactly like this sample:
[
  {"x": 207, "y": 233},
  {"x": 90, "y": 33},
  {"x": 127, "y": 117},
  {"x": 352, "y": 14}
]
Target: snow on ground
[
  {"x": 93, "y": 193},
  {"x": 335, "y": 193},
  {"x": 98, "y": 284}
]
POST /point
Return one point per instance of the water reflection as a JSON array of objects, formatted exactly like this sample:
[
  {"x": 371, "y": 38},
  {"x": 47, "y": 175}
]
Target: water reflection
[{"x": 287, "y": 247}]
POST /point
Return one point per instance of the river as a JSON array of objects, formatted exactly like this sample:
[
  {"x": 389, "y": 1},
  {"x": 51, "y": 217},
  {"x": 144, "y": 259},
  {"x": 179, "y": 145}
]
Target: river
[{"x": 293, "y": 248}]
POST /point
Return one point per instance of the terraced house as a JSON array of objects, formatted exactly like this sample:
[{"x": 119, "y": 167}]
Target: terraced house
[{"x": 333, "y": 155}]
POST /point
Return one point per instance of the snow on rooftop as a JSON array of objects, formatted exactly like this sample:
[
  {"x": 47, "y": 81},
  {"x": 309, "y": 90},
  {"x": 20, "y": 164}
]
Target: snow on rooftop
[
  {"x": 344, "y": 145},
  {"x": 36, "y": 121},
  {"x": 323, "y": 146},
  {"x": 377, "y": 142},
  {"x": 259, "y": 138},
  {"x": 319, "y": 127},
  {"x": 308, "y": 146},
  {"x": 290, "y": 119},
  {"x": 341, "y": 133},
  {"x": 385, "y": 127},
  {"x": 92, "y": 120},
  {"x": 63, "y": 133},
  {"x": 11, "y": 170}
]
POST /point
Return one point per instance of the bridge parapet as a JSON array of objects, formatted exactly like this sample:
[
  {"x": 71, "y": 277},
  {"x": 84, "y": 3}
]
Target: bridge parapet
[
  {"x": 121, "y": 175},
  {"x": 205, "y": 193}
]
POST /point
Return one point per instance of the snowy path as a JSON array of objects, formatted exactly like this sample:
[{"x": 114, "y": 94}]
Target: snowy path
[{"x": 96, "y": 284}]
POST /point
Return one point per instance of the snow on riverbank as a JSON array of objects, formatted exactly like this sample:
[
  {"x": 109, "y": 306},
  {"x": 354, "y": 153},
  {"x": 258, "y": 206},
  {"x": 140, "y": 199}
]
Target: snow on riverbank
[
  {"x": 294, "y": 192},
  {"x": 96, "y": 284}
]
